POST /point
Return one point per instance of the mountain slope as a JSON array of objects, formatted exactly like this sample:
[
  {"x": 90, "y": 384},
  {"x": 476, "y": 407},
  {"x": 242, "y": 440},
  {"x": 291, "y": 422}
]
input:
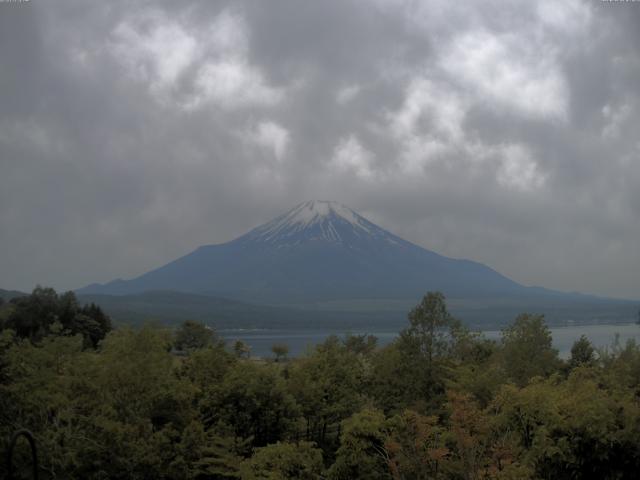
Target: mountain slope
[
  {"x": 171, "y": 307},
  {"x": 7, "y": 295},
  {"x": 319, "y": 251}
]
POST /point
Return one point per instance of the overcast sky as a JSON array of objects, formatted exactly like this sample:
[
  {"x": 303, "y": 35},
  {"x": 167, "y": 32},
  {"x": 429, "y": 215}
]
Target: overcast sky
[{"x": 503, "y": 132}]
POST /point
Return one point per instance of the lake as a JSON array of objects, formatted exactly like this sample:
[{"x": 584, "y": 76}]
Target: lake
[{"x": 299, "y": 341}]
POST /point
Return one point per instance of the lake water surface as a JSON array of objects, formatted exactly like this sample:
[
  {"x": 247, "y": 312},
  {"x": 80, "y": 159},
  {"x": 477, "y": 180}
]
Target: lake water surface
[{"x": 299, "y": 341}]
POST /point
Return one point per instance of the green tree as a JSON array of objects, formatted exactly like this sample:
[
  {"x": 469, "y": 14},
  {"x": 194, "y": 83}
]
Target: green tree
[
  {"x": 206, "y": 368},
  {"x": 582, "y": 353},
  {"x": 527, "y": 349},
  {"x": 392, "y": 383},
  {"x": 328, "y": 386},
  {"x": 95, "y": 330},
  {"x": 38, "y": 394},
  {"x": 134, "y": 407},
  {"x": 284, "y": 461},
  {"x": 362, "y": 452},
  {"x": 253, "y": 401},
  {"x": 280, "y": 350},
  {"x": 34, "y": 315},
  {"x": 429, "y": 332},
  {"x": 361, "y": 344},
  {"x": 193, "y": 336},
  {"x": 241, "y": 349},
  {"x": 416, "y": 368},
  {"x": 478, "y": 370},
  {"x": 205, "y": 454},
  {"x": 571, "y": 429}
]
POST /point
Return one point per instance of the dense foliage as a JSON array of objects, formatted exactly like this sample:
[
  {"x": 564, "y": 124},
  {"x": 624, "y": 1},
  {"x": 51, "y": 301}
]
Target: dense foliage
[
  {"x": 439, "y": 402},
  {"x": 44, "y": 312}
]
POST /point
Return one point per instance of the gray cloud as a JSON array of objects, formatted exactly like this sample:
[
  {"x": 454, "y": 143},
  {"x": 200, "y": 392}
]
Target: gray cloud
[{"x": 502, "y": 132}]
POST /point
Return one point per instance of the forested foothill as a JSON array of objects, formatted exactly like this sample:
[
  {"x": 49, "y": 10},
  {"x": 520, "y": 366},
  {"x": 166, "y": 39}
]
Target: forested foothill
[{"x": 440, "y": 402}]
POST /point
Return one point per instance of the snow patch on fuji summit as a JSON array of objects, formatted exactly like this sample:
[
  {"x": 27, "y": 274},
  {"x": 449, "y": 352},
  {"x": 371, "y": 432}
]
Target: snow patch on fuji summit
[{"x": 317, "y": 220}]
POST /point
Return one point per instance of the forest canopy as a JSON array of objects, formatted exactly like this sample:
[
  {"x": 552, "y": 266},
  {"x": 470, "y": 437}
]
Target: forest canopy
[{"x": 438, "y": 402}]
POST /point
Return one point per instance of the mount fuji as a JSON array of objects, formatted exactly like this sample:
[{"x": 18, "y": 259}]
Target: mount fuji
[{"x": 317, "y": 252}]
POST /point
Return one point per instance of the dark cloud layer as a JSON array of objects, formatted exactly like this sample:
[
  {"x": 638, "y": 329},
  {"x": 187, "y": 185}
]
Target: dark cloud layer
[{"x": 499, "y": 131}]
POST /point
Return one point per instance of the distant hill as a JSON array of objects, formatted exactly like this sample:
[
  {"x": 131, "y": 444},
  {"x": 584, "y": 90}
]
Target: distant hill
[
  {"x": 7, "y": 295},
  {"x": 320, "y": 251},
  {"x": 323, "y": 262},
  {"x": 170, "y": 307}
]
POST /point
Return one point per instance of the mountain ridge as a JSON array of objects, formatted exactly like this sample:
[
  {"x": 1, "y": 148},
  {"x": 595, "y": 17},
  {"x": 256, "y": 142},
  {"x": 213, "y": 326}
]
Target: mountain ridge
[
  {"x": 7, "y": 295},
  {"x": 319, "y": 251}
]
